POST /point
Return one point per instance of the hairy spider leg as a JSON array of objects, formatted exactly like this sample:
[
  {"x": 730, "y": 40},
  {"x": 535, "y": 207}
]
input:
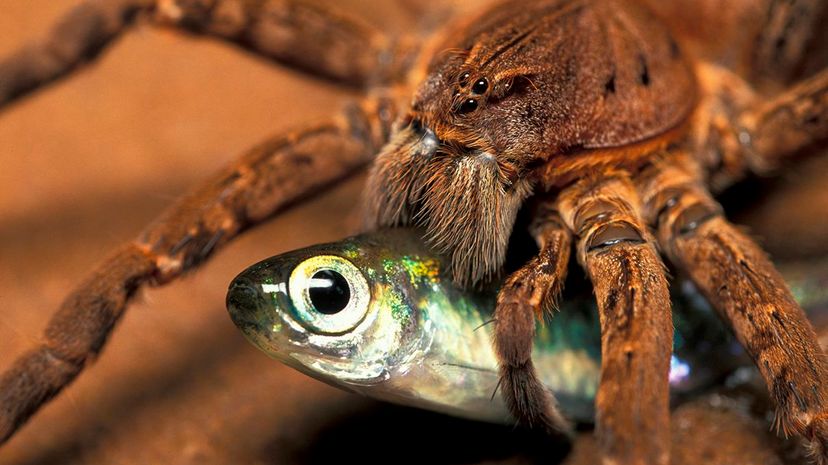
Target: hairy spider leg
[
  {"x": 307, "y": 37},
  {"x": 274, "y": 174},
  {"x": 738, "y": 279},
  {"x": 791, "y": 121},
  {"x": 263, "y": 181},
  {"x": 620, "y": 258},
  {"x": 78, "y": 37},
  {"x": 526, "y": 295}
]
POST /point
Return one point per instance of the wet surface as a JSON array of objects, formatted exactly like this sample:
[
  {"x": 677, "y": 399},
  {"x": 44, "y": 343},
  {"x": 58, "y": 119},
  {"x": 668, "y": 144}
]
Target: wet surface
[{"x": 87, "y": 162}]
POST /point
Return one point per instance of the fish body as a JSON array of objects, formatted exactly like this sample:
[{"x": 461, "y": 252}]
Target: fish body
[{"x": 378, "y": 315}]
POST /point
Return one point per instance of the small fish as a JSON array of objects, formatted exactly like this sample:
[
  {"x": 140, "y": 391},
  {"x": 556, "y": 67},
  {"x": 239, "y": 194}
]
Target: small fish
[{"x": 377, "y": 314}]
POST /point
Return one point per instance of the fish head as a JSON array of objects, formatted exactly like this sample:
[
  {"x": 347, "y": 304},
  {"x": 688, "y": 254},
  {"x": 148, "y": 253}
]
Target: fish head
[{"x": 342, "y": 312}]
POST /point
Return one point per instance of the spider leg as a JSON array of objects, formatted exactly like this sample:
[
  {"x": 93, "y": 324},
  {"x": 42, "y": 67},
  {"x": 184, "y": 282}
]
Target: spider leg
[
  {"x": 292, "y": 32},
  {"x": 264, "y": 180},
  {"x": 782, "y": 44},
  {"x": 79, "y": 36},
  {"x": 737, "y": 278},
  {"x": 525, "y": 295},
  {"x": 737, "y": 131},
  {"x": 768, "y": 42},
  {"x": 791, "y": 121},
  {"x": 298, "y": 33},
  {"x": 620, "y": 257}
]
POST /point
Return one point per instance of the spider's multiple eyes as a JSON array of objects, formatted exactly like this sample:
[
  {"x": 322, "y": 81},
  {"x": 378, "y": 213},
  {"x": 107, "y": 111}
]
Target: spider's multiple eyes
[
  {"x": 473, "y": 91},
  {"x": 478, "y": 88}
]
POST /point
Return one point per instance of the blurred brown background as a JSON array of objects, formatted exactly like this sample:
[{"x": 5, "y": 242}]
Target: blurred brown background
[{"x": 87, "y": 162}]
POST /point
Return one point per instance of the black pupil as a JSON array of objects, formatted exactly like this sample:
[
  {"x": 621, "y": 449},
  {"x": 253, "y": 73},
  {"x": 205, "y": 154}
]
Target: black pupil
[{"x": 329, "y": 292}]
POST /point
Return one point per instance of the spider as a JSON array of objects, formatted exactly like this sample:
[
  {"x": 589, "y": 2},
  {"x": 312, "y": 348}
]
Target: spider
[{"x": 616, "y": 120}]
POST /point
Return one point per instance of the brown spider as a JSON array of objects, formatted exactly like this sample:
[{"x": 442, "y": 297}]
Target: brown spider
[{"x": 614, "y": 122}]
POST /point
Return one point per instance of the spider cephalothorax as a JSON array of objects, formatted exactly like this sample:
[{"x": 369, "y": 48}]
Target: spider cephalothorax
[
  {"x": 521, "y": 85},
  {"x": 620, "y": 123}
]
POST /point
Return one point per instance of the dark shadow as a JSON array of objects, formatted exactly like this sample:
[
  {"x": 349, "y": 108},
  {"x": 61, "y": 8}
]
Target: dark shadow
[{"x": 383, "y": 433}]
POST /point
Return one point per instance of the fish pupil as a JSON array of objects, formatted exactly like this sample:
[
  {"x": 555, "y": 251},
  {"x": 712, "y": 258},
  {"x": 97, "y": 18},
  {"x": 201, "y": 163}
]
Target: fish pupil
[{"x": 329, "y": 292}]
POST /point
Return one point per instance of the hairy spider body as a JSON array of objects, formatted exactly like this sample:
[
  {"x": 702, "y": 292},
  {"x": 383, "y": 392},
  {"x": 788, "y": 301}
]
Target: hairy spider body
[
  {"x": 590, "y": 105},
  {"x": 617, "y": 122},
  {"x": 537, "y": 93}
]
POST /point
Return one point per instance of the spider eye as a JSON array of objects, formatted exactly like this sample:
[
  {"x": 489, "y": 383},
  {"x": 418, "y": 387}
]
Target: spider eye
[
  {"x": 330, "y": 295},
  {"x": 480, "y": 86},
  {"x": 468, "y": 106},
  {"x": 514, "y": 85}
]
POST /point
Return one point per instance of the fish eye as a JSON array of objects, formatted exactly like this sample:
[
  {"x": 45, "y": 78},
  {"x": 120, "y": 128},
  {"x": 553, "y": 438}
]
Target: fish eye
[{"x": 329, "y": 293}]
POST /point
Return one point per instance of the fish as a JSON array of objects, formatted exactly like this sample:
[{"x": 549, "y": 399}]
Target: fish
[{"x": 378, "y": 315}]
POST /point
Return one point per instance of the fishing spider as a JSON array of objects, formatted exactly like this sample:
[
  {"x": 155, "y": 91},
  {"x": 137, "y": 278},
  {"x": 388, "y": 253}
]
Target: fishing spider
[{"x": 618, "y": 122}]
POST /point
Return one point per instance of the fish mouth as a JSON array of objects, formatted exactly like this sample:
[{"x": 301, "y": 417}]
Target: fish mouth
[
  {"x": 251, "y": 312},
  {"x": 244, "y": 302},
  {"x": 259, "y": 305}
]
